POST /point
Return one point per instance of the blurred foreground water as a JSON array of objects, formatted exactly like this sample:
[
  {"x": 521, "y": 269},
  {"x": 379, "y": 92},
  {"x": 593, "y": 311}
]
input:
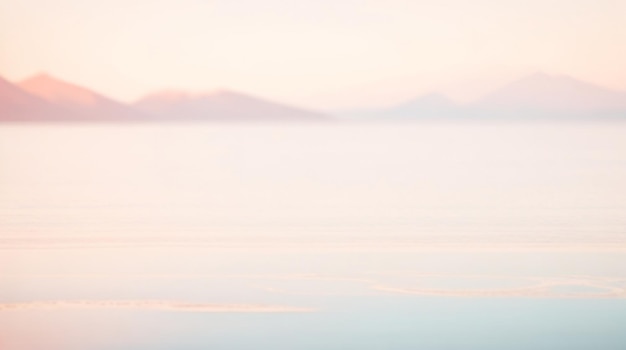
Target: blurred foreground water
[{"x": 311, "y": 236}]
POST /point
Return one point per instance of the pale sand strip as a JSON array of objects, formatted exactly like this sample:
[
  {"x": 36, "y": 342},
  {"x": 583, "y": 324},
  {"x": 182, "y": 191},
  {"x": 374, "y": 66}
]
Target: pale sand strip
[
  {"x": 161, "y": 305},
  {"x": 540, "y": 290}
]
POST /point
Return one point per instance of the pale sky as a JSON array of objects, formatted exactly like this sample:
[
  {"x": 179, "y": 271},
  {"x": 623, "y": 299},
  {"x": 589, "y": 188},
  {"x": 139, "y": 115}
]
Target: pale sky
[{"x": 329, "y": 54}]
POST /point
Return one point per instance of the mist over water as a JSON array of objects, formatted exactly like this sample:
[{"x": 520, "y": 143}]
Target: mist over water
[{"x": 313, "y": 236}]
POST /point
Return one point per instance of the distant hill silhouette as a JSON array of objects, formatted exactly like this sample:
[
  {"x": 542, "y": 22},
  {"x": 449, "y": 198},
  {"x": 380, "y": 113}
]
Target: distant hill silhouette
[
  {"x": 538, "y": 96},
  {"x": 221, "y": 105},
  {"x": 86, "y": 104},
  {"x": 18, "y": 105},
  {"x": 545, "y": 95},
  {"x": 428, "y": 106},
  {"x": 46, "y": 98}
]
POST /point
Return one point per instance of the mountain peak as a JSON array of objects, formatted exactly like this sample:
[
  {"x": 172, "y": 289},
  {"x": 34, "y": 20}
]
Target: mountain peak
[
  {"x": 553, "y": 93},
  {"x": 56, "y": 90},
  {"x": 178, "y": 96},
  {"x": 18, "y": 105},
  {"x": 81, "y": 101},
  {"x": 220, "y": 104},
  {"x": 43, "y": 76}
]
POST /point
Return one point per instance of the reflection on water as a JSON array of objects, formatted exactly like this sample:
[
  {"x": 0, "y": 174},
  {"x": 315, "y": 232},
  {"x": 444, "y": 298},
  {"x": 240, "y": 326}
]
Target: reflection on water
[{"x": 439, "y": 236}]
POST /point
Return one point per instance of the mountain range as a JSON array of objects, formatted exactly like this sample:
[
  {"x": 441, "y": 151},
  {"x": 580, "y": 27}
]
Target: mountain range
[
  {"x": 80, "y": 102},
  {"x": 221, "y": 105},
  {"x": 46, "y": 98},
  {"x": 540, "y": 95},
  {"x": 18, "y": 105},
  {"x": 535, "y": 96}
]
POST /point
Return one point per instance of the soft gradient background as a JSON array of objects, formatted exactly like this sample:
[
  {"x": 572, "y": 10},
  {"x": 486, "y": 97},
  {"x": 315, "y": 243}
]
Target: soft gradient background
[
  {"x": 323, "y": 54},
  {"x": 473, "y": 234}
]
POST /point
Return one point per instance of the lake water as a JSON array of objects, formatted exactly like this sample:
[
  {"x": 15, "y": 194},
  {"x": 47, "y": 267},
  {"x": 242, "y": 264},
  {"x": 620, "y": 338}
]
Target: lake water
[{"x": 313, "y": 236}]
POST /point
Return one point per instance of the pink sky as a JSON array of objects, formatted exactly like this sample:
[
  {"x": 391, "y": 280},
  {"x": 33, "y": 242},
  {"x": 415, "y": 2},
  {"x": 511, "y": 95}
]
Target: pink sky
[{"x": 323, "y": 53}]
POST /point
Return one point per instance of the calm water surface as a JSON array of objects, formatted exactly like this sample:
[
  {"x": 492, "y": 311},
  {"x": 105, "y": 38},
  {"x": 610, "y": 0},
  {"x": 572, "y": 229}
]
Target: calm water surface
[{"x": 369, "y": 236}]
